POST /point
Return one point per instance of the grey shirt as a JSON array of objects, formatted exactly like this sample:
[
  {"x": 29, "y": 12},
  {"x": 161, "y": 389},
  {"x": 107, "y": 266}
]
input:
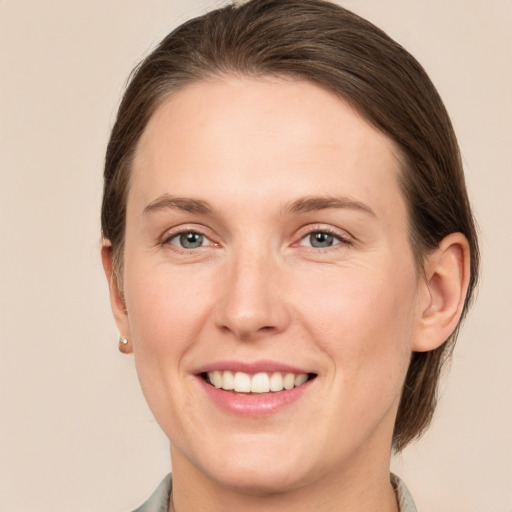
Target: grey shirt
[{"x": 159, "y": 500}]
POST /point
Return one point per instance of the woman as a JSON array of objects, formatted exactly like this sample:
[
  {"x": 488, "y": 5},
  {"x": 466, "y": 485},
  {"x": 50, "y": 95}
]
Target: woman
[{"x": 290, "y": 250}]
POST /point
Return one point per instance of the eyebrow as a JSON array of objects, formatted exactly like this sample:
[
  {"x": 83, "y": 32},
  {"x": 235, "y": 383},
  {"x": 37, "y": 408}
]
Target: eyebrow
[
  {"x": 186, "y": 204},
  {"x": 301, "y": 205},
  {"x": 316, "y": 203}
]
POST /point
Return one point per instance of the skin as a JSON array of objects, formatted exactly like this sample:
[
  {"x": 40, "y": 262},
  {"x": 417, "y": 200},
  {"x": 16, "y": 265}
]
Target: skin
[{"x": 255, "y": 151}]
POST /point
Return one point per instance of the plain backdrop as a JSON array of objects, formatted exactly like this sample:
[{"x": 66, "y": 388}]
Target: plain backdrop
[{"x": 75, "y": 433}]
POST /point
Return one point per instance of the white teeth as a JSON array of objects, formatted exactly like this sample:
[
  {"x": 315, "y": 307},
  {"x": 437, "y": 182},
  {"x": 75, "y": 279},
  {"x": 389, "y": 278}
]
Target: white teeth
[
  {"x": 289, "y": 381},
  {"x": 242, "y": 382},
  {"x": 300, "y": 379},
  {"x": 228, "y": 381},
  {"x": 217, "y": 379},
  {"x": 262, "y": 382},
  {"x": 276, "y": 382}
]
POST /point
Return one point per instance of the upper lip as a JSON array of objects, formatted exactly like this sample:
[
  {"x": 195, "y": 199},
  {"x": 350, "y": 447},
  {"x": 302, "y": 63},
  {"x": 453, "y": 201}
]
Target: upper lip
[{"x": 251, "y": 367}]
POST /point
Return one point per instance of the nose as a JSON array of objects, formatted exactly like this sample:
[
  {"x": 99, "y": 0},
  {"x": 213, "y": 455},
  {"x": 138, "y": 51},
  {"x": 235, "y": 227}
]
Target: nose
[{"x": 251, "y": 301}]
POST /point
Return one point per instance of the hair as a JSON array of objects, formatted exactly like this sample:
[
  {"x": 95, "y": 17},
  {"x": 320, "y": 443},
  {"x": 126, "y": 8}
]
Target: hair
[{"x": 321, "y": 42}]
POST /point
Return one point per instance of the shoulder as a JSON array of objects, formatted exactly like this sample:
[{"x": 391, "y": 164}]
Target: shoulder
[
  {"x": 159, "y": 500},
  {"x": 403, "y": 496}
]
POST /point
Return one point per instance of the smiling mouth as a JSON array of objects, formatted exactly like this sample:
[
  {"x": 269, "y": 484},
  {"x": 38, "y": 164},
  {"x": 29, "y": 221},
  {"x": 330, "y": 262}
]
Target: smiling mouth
[{"x": 258, "y": 383}]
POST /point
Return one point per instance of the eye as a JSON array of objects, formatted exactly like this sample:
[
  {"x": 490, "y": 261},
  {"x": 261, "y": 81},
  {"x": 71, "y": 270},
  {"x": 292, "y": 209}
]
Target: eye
[
  {"x": 320, "y": 240},
  {"x": 189, "y": 240}
]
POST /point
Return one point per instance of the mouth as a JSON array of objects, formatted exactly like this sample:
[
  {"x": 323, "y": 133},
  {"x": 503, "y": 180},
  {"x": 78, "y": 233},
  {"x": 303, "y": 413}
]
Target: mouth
[
  {"x": 258, "y": 383},
  {"x": 257, "y": 388}
]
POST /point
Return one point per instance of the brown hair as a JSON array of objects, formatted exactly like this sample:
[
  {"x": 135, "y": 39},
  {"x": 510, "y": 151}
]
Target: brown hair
[{"x": 321, "y": 42}]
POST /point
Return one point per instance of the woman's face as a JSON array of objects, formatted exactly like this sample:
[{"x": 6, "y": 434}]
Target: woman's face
[{"x": 267, "y": 241}]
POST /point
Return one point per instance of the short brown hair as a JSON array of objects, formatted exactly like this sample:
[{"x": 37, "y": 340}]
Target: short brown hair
[{"x": 321, "y": 42}]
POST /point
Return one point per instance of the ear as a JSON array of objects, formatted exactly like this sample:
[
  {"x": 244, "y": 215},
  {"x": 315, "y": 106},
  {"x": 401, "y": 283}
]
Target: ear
[
  {"x": 445, "y": 285},
  {"x": 116, "y": 297}
]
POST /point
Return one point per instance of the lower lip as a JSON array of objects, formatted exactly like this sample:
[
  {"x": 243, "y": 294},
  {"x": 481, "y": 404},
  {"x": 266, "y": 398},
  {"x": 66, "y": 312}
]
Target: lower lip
[{"x": 257, "y": 404}]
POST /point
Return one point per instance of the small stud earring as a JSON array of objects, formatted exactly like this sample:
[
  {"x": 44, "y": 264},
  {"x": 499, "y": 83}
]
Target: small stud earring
[{"x": 124, "y": 345}]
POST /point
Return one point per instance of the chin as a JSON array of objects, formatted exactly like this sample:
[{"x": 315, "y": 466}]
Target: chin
[
  {"x": 252, "y": 469},
  {"x": 261, "y": 481}
]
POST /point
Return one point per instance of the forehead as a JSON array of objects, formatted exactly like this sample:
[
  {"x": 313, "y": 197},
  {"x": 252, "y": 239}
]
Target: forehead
[{"x": 265, "y": 138}]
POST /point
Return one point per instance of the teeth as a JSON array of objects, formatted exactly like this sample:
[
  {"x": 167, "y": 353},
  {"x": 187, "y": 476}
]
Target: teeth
[
  {"x": 217, "y": 379},
  {"x": 228, "y": 381},
  {"x": 276, "y": 382},
  {"x": 260, "y": 383},
  {"x": 300, "y": 379},
  {"x": 241, "y": 382},
  {"x": 289, "y": 381}
]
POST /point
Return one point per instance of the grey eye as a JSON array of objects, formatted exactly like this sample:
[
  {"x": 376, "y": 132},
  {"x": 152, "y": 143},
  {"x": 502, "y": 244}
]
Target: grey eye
[
  {"x": 321, "y": 239},
  {"x": 189, "y": 240}
]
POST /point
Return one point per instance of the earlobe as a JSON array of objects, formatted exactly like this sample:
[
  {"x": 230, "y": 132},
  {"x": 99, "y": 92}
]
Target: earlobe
[
  {"x": 116, "y": 297},
  {"x": 447, "y": 274}
]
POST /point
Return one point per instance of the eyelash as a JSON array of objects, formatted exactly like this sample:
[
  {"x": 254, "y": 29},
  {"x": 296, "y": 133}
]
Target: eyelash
[{"x": 343, "y": 240}]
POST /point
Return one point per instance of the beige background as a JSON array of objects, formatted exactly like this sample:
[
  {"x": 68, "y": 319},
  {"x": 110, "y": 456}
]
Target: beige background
[{"x": 75, "y": 433}]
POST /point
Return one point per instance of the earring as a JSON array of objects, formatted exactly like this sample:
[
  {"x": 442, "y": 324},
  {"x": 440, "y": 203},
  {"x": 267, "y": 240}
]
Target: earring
[{"x": 124, "y": 345}]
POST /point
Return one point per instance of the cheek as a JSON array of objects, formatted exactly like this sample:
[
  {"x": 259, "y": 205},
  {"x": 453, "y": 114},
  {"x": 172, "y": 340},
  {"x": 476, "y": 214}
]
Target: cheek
[
  {"x": 363, "y": 318},
  {"x": 166, "y": 311},
  {"x": 165, "y": 308}
]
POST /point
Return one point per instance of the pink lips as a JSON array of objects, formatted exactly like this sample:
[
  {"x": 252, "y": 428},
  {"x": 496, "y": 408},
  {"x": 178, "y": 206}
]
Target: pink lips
[
  {"x": 252, "y": 367},
  {"x": 254, "y": 404}
]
